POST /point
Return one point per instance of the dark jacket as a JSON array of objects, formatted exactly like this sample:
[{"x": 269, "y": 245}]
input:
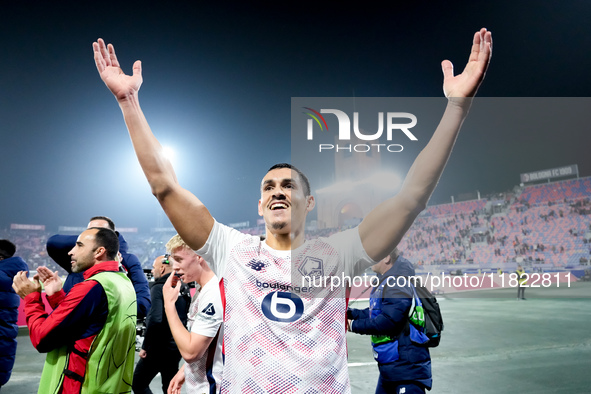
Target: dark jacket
[
  {"x": 58, "y": 247},
  {"x": 158, "y": 337},
  {"x": 9, "y": 303},
  {"x": 414, "y": 362}
]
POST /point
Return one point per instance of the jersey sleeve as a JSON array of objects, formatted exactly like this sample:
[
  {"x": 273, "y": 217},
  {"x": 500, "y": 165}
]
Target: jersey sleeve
[
  {"x": 351, "y": 253},
  {"x": 210, "y": 314},
  {"x": 219, "y": 243}
]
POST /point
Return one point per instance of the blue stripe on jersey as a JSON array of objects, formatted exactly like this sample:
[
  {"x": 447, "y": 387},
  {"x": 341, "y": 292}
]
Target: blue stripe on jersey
[{"x": 209, "y": 363}]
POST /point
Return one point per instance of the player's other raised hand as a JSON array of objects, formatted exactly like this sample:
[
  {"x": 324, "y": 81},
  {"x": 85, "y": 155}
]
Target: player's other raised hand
[{"x": 121, "y": 85}]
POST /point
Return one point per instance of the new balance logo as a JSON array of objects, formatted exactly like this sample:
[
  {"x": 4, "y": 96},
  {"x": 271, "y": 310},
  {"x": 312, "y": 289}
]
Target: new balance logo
[
  {"x": 209, "y": 310},
  {"x": 256, "y": 265}
]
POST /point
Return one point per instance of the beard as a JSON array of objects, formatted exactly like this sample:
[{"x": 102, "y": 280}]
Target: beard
[
  {"x": 81, "y": 266},
  {"x": 278, "y": 225}
]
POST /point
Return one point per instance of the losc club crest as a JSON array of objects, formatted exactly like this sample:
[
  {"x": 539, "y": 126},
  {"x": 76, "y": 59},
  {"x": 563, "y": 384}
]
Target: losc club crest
[{"x": 311, "y": 267}]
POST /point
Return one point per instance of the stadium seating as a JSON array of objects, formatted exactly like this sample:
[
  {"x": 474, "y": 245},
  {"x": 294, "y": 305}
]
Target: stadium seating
[{"x": 545, "y": 225}]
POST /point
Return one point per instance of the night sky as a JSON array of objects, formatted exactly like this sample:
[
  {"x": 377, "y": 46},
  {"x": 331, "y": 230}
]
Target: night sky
[{"x": 218, "y": 82}]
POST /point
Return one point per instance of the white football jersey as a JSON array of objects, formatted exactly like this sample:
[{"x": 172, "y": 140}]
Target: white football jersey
[
  {"x": 206, "y": 314},
  {"x": 283, "y": 334}
]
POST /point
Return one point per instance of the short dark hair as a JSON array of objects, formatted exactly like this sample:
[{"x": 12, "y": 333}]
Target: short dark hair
[
  {"x": 300, "y": 173},
  {"x": 106, "y": 219},
  {"x": 108, "y": 239},
  {"x": 7, "y": 249}
]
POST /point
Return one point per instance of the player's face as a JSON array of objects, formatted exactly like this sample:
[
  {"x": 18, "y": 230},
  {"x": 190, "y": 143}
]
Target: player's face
[
  {"x": 83, "y": 253},
  {"x": 187, "y": 264},
  {"x": 283, "y": 200}
]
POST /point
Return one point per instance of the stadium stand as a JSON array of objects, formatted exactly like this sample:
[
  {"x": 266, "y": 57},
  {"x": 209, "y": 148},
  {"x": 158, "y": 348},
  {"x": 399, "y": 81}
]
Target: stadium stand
[{"x": 546, "y": 227}]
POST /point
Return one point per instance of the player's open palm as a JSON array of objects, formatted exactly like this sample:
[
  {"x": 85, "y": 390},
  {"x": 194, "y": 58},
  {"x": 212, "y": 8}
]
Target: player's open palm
[
  {"x": 466, "y": 84},
  {"x": 121, "y": 85}
]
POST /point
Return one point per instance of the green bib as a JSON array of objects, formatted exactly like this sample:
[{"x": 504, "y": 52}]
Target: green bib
[{"x": 111, "y": 356}]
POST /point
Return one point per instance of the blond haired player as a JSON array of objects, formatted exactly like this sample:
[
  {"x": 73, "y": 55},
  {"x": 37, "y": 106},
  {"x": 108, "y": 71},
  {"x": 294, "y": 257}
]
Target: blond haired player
[{"x": 200, "y": 343}]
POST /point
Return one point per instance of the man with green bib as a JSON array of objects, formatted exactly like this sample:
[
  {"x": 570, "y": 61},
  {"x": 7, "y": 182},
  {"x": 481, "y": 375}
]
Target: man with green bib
[{"x": 90, "y": 334}]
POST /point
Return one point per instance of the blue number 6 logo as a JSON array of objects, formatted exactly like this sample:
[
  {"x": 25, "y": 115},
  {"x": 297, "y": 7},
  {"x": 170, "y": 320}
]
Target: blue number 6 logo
[{"x": 282, "y": 307}]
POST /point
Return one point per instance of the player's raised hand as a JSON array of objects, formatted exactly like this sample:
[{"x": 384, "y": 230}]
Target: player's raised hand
[
  {"x": 121, "y": 85},
  {"x": 466, "y": 84}
]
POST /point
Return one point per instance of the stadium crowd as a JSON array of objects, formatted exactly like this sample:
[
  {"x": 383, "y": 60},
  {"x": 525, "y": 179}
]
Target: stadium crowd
[{"x": 546, "y": 224}]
